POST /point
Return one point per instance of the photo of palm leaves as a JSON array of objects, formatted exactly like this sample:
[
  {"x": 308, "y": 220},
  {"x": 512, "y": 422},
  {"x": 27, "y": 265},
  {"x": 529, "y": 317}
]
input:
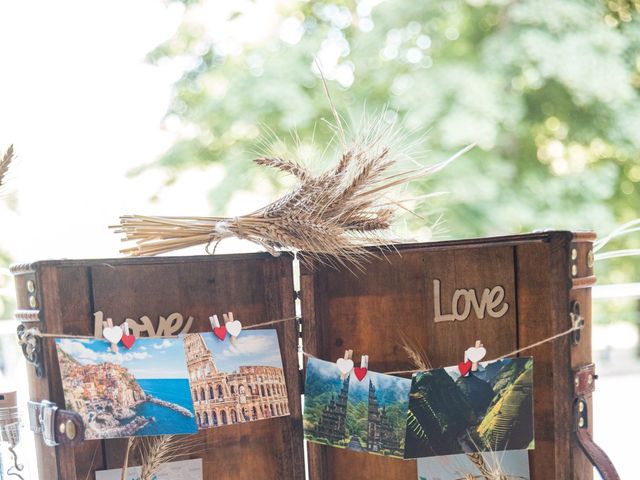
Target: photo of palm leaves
[{"x": 487, "y": 410}]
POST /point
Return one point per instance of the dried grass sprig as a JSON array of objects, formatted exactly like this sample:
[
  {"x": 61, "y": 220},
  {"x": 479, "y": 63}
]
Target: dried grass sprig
[
  {"x": 7, "y": 158},
  {"x": 332, "y": 217},
  {"x": 416, "y": 354},
  {"x": 125, "y": 462},
  {"x": 155, "y": 451}
]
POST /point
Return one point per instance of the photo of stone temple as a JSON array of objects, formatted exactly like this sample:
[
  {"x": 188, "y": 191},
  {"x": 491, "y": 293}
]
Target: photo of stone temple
[
  {"x": 333, "y": 423},
  {"x": 248, "y": 393},
  {"x": 380, "y": 434}
]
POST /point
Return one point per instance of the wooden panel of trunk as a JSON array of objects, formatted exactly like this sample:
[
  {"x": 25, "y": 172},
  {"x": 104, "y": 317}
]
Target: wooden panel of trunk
[
  {"x": 256, "y": 287},
  {"x": 396, "y": 295}
]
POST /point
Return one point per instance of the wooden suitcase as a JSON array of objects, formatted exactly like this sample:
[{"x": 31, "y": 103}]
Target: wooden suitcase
[
  {"x": 542, "y": 275},
  {"x": 62, "y": 297},
  {"x": 546, "y": 278}
]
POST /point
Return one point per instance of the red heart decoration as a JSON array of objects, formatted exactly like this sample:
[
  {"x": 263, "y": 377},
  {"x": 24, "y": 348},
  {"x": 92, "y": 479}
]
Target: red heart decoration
[
  {"x": 220, "y": 332},
  {"x": 464, "y": 367},
  {"x": 128, "y": 340},
  {"x": 360, "y": 372}
]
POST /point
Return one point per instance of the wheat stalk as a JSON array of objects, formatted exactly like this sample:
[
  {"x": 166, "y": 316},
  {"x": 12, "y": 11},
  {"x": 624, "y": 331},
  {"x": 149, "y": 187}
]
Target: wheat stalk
[
  {"x": 155, "y": 451},
  {"x": 417, "y": 356},
  {"x": 4, "y": 164},
  {"x": 332, "y": 217},
  {"x": 125, "y": 463}
]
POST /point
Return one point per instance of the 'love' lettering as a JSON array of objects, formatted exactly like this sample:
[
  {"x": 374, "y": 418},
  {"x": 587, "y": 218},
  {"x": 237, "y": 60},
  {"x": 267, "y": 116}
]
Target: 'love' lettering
[{"x": 463, "y": 300}]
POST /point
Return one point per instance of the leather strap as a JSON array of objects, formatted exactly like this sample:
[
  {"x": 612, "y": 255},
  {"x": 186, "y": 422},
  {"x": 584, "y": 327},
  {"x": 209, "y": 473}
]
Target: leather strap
[
  {"x": 596, "y": 455},
  {"x": 584, "y": 379},
  {"x": 57, "y": 426}
]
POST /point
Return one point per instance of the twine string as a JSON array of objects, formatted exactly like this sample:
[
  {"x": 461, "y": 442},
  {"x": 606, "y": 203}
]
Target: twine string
[
  {"x": 37, "y": 333},
  {"x": 577, "y": 324}
]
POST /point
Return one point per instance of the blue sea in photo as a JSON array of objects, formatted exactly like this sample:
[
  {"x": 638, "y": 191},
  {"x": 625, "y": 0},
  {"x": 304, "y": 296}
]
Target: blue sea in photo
[{"x": 168, "y": 421}]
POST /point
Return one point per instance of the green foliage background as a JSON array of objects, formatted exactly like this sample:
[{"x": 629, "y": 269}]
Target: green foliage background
[{"x": 548, "y": 89}]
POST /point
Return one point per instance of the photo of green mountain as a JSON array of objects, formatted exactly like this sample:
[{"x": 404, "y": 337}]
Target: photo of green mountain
[
  {"x": 367, "y": 415},
  {"x": 487, "y": 410}
]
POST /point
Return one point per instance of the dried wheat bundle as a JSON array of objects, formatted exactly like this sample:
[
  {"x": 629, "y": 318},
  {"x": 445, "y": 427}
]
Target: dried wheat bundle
[
  {"x": 4, "y": 164},
  {"x": 331, "y": 217}
]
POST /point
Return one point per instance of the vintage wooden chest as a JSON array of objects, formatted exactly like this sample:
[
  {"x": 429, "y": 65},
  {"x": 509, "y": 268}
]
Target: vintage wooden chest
[{"x": 546, "y": 278}]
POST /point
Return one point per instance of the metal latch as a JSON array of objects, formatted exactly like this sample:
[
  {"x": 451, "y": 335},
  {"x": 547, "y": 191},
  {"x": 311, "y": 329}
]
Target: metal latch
[
  {"x": 577, "y": 320},
  {"x": 31, "y": 348},
  {"x": 42, "y": 417}
]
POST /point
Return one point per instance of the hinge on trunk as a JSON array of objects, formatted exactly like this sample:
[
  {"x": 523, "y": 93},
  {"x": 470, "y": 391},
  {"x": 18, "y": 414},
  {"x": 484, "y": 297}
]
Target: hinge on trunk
[{"x": 31, "y": 348}]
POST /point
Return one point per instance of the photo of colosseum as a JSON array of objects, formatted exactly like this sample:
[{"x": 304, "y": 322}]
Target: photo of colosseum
[{"x": 236, "y": 383}]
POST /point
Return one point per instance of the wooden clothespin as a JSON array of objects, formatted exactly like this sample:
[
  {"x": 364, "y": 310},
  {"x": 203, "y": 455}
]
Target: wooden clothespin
[
  {"x": 364, "y": 361},
  {"x": 228, "y": 321},
  {"x": 213, "y": 320},
  {"x": 219, "y": 331},
  {"x": 127, "y": 339},
  {"x": 362, "y": 370},
  {"x": 345, "y": 364},
  {"x": 111, "y": 333},
  {"x": 475, "y": 354}
]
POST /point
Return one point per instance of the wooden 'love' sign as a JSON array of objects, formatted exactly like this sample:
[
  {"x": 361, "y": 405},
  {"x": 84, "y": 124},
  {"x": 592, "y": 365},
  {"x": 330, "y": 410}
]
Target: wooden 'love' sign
[
  {"x": 168, "y": 326},
  {"x": 491, "y": 303}
]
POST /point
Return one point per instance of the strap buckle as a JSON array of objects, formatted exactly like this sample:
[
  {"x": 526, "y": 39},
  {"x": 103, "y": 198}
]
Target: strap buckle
[{"x": 42, "y": 419}]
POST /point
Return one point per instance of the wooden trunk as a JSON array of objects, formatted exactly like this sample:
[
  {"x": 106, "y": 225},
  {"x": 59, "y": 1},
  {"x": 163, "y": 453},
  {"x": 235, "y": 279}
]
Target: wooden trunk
[
  {"x": 256, "y": 287},
  {"x": 541, "y": 273}
]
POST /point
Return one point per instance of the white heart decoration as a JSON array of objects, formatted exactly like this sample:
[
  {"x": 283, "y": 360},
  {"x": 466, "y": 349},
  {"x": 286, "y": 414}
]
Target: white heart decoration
[
  {"x": 234, "y": 328},
  {"x": 344, "y": 365},
  {"x": 475, "y": 354},
  {"x": 113, "y": 334}
]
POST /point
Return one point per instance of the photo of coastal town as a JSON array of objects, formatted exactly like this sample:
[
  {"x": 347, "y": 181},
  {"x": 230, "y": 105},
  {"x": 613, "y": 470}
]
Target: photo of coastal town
[
  {"x": 236, "y": 382},
  {"x": 141, "y": 391}
]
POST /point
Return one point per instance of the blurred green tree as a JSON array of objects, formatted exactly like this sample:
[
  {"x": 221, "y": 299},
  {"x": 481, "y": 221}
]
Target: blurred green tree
[{"x": 548, "y": 89}]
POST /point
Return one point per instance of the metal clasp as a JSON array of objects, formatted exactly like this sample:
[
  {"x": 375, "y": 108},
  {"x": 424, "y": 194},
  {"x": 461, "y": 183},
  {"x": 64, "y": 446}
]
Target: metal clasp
[
  {"x": 577, "y": 320},
  {"x": 42, "y": 417},
  {"x": 31, "y": 348}
]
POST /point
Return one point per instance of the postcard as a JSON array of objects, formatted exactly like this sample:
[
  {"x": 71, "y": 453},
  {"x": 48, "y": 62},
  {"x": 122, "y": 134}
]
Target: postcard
[
  {"x": 367, "y": 415},
  {"x": 236, "y": 382},
  {"x": 487, "y": 410},
  {"x": 181, "y": 470},
  {"x": 507, "y": 465},
  {"x": 141, "y": 391}
]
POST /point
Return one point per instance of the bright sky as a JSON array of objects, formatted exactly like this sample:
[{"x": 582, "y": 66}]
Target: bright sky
[
  {"x": 83, "y": 108},
  {"x": 253, "y": 347},
  {"x": 148, "y": 358}
]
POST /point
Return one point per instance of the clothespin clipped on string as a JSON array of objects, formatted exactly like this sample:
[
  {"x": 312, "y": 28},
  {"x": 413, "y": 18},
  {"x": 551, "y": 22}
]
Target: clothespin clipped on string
[
  {"x": 219, "y": 331},
  {"x": 472, "y": 357},
  {"x": 112, "y": 333},
  {"x": 345, "y": 364},
  {"x": 234, "y": 327},
  {"x": 361, "y": 371},
  {"x": 475, "y": 354},
  {"x": 127, "y": 339}
]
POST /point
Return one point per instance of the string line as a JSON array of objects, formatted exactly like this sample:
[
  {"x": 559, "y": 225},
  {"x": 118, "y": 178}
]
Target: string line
[
  {"x": 37, "y": 333},
  {"x": 577, "y": 325}
]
